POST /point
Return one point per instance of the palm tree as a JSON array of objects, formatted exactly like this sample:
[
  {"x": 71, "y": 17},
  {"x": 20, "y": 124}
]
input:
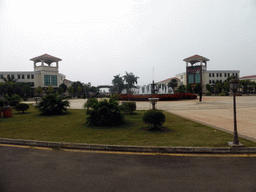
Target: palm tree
[
  {"x": 118, "y": 83},
  {"x": 9, "y": 79},
  {"x": 130, "y": 79}
]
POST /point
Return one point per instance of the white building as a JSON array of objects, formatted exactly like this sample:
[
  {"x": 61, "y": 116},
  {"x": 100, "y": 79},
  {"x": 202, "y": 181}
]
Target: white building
[
  {"x": 251, "y": 78},
  {"x": 196, "y": 72},
  {"x": 46, "y": 73}
]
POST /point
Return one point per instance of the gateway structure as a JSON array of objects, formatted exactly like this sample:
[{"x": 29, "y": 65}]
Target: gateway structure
[{"x": 46, "y": 73}]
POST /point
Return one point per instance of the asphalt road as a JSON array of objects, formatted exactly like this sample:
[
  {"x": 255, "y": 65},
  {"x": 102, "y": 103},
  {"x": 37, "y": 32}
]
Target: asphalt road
[{"x": 27, "y": 169}]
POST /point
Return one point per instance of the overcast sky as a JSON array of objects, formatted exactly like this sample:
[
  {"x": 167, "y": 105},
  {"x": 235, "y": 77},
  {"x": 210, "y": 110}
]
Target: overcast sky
[{"x": 97, "y": 39}]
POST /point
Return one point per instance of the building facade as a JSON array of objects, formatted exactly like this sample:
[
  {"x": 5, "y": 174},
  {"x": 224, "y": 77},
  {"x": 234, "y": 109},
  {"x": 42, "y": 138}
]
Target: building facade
[
  {"x": 196, "y": 72},
  {"x": 46, "y": 73}
]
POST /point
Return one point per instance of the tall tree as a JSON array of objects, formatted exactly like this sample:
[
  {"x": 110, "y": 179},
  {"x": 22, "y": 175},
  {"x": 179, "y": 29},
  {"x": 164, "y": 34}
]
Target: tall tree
[
  {"x": 64, "y": 87},
  {"x": 173, "y": 83},
  {"x": 118, "y": 84},
  {"x": 130, "y": 79},
  {"x": 70, "y": 91},
  {"x": 39, "y": 91},
  {"x": 75, "y": 85},
  {"x": 10, "y": 79},
  {"x": 245, "y": 85}
]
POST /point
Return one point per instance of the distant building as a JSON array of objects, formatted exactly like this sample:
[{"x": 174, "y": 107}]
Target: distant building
[
  {"x": 196, "y": 72},
  {"x": 46, "y": 73},
  {"x": 251, "y": 78}
]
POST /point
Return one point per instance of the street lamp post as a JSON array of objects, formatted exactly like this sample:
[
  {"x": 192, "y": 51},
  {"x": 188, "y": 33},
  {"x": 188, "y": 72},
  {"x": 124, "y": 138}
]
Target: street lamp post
[{"x": 233, "y": 87}]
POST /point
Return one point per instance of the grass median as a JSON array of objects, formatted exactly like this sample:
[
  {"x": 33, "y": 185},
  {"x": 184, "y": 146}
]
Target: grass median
[{"x": 71, "y": 127}]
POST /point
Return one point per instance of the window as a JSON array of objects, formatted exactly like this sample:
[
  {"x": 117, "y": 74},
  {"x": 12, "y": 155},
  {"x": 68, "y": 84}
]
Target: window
[
  {"x": 217, "y": 74},
  {"x": 213, "y": 75},
  {"x": 210, "y": 81},
  {"x": 28, "y": 76},
  {"x": 221, "y": 81},
  {"x": 190, "y": 78},
  {"x": 46, "y": 79},
  {"x": 19, "y": 76},
  {"x": 23, "y": 76},
  {"x": 228, "y": 74},
  {"x": 236, "y": 74},
  {"x": 12, "y": 76},
  {"x": 1, "y": 76},
  {"x": 32, "y": 76},
  {"x": 220, "y": 74},
  {"x": 233, "y": 74},
  {"x": 181, "y": 76},
  {"x": 213, "y": 81},
  {"x": 210, "y": 75},
  {"x": 197, "y": 78},
  {"x": 54, "y": 80},
  {"x": 8, "y": 76},
  {"x": 225, "y": 74}
]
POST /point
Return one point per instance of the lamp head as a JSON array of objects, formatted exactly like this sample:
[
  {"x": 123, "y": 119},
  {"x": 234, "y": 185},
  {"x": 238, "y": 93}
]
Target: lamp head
[{"x": 234, "y": 84}]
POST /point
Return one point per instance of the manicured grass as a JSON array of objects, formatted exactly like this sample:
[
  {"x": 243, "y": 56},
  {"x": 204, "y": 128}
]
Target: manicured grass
[{"x": 71, "y": 127}]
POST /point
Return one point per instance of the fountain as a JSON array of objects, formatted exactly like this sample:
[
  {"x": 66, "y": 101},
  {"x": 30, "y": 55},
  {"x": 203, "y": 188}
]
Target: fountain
[{"x": 153, "y": 101}]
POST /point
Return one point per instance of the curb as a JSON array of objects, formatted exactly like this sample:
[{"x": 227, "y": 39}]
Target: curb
[{"x": 125, "y": 148}]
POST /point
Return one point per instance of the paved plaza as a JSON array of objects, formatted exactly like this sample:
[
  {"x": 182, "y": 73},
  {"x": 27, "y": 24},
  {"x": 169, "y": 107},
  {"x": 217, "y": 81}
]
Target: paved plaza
[{"x": 214, "y": 111}]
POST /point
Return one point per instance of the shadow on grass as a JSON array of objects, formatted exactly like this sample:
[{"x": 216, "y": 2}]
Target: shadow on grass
[
  {"x": 20, "y": 113},
  {"x": 157, "y": 130},
  {"x": 54, "y": 115}
]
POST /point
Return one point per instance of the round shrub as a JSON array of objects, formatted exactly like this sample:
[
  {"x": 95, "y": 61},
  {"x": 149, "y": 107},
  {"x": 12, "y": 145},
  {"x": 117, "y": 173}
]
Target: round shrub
[
  {"x": 155, "y": 118},
  {"x": 128, "y": 107},
  {"x": 22, "y": 107},
  {"x": 208, "y": 93}
]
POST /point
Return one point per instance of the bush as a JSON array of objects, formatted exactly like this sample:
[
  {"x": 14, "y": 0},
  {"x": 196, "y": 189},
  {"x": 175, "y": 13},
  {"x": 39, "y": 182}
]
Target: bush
[
  {"x": 155, "y": 118},
  {"x": 162, "y": 97},
  {"x": 208, "y": 93},
  {"x": 128, "y": 107},
  {"x": 104, "y": 113},
  {"x": 1, "y": 103},
  {"x": 13, "y": 103},
  {"x": 90, "y": 102},
  {"x": 22, "y": 107},
  {"x": 225, "y": 93},
  {"x": 52, "y": 105},
  {"x": 13, "y": 98}
]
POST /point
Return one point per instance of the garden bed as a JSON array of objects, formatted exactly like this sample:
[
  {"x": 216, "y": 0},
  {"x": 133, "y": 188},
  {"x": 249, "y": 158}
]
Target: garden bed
[{"x": 162, "y": 97}]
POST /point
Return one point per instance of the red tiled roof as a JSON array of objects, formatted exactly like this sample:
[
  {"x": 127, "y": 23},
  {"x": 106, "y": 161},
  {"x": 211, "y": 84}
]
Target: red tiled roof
[
  {"x": 196, "y": 57},
  {"x": 168, "y": 80},
  {"x": 67, "y": 80},
  {"x": 45, "y": 57},
  {"x": 248, "y": 77}
]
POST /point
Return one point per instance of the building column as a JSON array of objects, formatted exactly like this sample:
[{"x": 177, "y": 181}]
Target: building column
[{"x": 42, "y": 63}]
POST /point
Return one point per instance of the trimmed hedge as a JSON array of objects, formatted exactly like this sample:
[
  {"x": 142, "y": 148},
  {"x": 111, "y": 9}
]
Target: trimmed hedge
[
  {"x": 154, "y": 118},
  {"x": 162, "y": 97},
  {"x": 22, "y": 107}
]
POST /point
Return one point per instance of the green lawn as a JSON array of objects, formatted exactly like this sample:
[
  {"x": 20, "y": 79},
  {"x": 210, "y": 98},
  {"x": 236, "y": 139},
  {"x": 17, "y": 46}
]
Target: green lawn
[{"x": 71, "y": 127}]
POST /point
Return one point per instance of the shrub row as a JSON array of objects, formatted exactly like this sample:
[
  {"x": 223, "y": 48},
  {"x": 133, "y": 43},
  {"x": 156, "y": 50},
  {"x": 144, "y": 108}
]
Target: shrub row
[{"x": 162, "y": 97}]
